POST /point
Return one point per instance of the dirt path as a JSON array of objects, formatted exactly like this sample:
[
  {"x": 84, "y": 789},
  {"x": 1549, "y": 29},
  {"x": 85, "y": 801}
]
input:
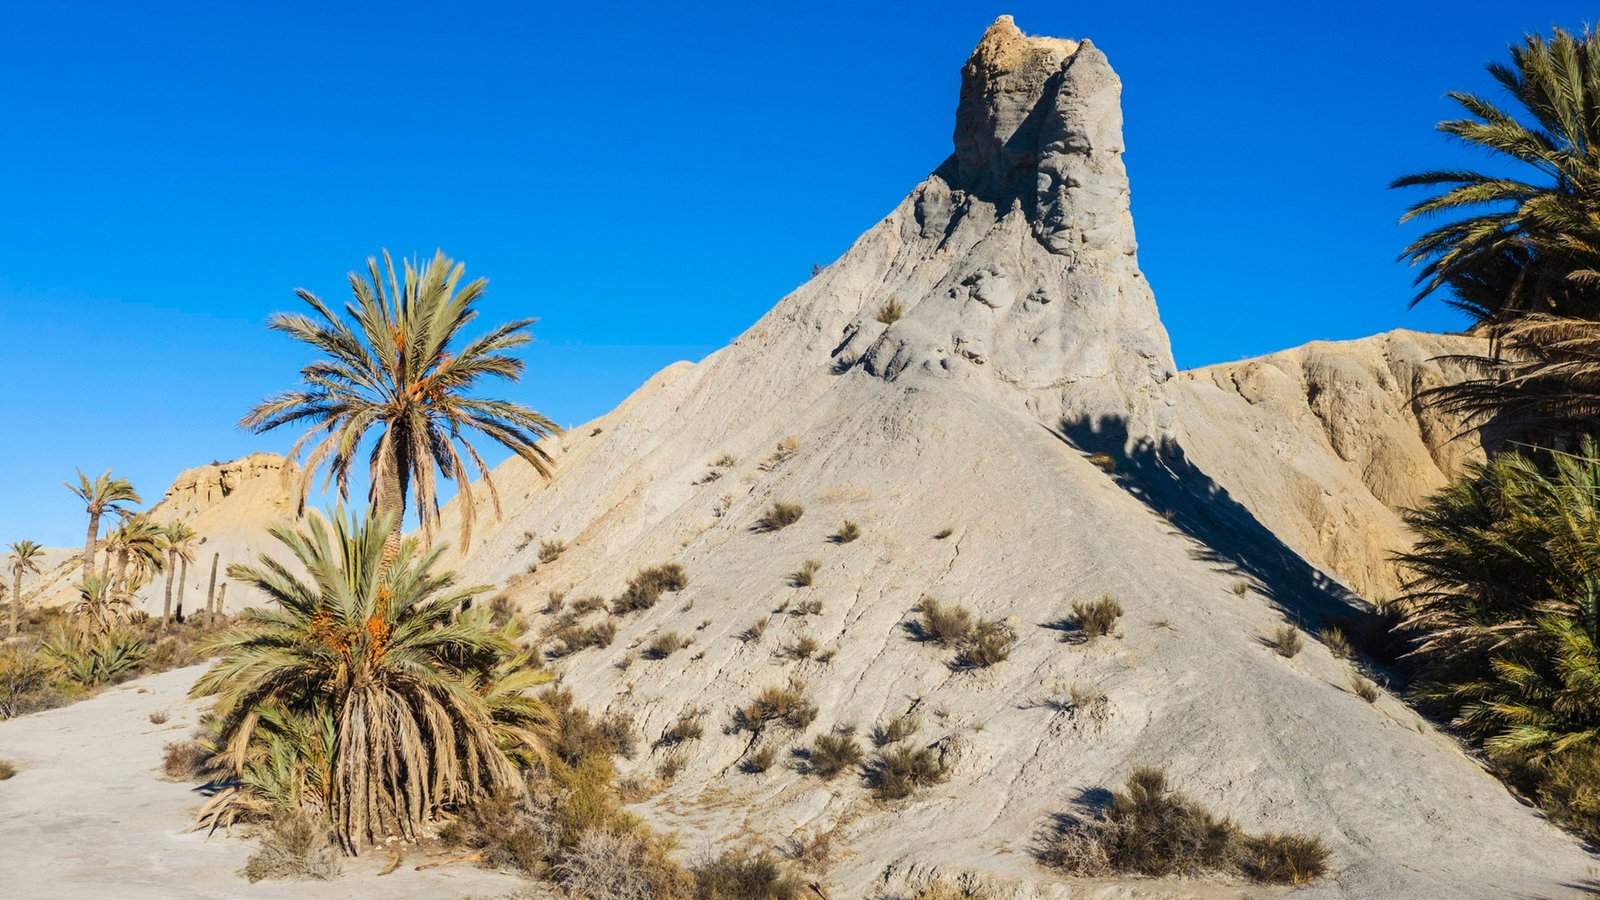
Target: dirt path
[{"x": 89, "y": 815}]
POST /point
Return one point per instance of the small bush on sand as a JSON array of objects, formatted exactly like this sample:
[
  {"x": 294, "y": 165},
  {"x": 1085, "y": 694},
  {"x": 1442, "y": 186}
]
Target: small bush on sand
[
  {"x": 831, "y": 754},
  {"x": 896, "y": 730},
  {"x": 687, "y": 728},
  {"x": 847, "y": 532},
  {"x": 1150, "y": 829},
  {"x": 7, "y": 770},
  {"x": 803, "y": 576},
  {"x": 1339, "y": 645},
  {"x": 943, "y": 533},
  {"x": 1105, "y": 462},
  {"x": 646, "y": 587},
  {"x": 743, "y": 875},
  {"x": 754, "y": 632},
  {"x": 570, "y": 639},
  {"x": 550, "y": 551},
  {"x": 803, "y": 647},
  {"x": 159, "y": 717},
  {"x": 668, "y": 643},
  {"x": 606, "y": 864},
  {"x": 185, "y": 760},
  {"x": 779, "y": 516},
  {"x": 899, "y": 771},
  {"x": 1363, "y": 688},
  {"x": 944, "y": 624},
  {"x": 988, "y": 643},
  {"x": 890, "y": 312},
  {"x": 294, "y": 845},
  {"x": 759, "y": 760},
  {"x": 812, "y": 850},
  {"x": 1095, "y": 618},
  {"x": 1567, "y": 786},
  {"x": 786, "y": 449},
  {"x": 787, "y": 706},
  {"x": 584, "y": 605},
  {"x": 812, "y": 607},
  {"x": 1089, "y": 702},
  {"x": 1286, "y": 641}
]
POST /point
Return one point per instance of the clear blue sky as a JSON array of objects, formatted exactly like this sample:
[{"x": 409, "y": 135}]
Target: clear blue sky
[{"x": 646, "y": 180}]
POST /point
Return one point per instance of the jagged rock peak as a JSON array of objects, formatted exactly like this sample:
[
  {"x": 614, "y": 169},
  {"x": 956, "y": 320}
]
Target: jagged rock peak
[{"x": 1040, "y": 124}]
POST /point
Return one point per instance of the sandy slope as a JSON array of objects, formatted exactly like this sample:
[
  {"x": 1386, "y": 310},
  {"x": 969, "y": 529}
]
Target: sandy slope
[{"x": 89, "y": 814}]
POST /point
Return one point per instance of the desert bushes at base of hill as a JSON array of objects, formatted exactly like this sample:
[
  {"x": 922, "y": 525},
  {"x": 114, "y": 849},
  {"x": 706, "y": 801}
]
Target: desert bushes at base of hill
[{"x": 1150, "y": 829}]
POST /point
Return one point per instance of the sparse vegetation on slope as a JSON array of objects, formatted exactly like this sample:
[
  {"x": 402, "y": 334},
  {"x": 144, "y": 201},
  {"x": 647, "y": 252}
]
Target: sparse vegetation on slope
[
  {"x": 779, "y": 516},
  {"x": 1095, "y": 618},
  {"x": 897, "y": 771},
  {"x": 645, "y": 588}
]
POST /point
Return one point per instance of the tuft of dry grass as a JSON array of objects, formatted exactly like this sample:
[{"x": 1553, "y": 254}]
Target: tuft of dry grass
[
  {"x": 1240, "y": 588},
  {"x": 786, "y": 450},
  {"x": 1363, "y": 688},
  {"x": 185, "y": 760},
  {"x": 989, "y": 642},
  {"x": 550, "y": 551},
  {"x": 847, "y": 532},
  {"x": 571, "y": 638},
  {"x": 746, "y": 875},
  {"x": 812, "y": 607},
  {"x": 803, "y": 576},
  {"x": 890, "y": 312},
  {"x": 803, "y": 647},
  {"x": 944, "y": 533},
  {"x": 759, "y": 760},
  {"x": 159, "y": 717},
  {"x": 898, "y": 771},
  {"x": 668, "y": 643},
  {"x": 588, "y": 604},
  {"x": 786, "y": 705},
  {"x": 672, "y": 765},
  {"x": 779, "y": 516},
  {"x": 812, "y": 850},
  {"x": 645, "y": 588},
  {"x": 1095, "y": 618},
  {"x": 897, "y": 729},
  {"x": 294, "y": 845},
  {"x": 754, "y": 632},
  {"x": 831, "y": 754},
  {"x": 8, "y": 770},
  {"x": 725, "y": 461},
  {"x": 688, "y": 728},
  {"x": 1105, "y": 462},
  {"x": 1286, "y": 641},
  {"x": 1089, "y": 702},
  {"x": 1339, "y": 645},
  {"x": 944, "y": 624}
]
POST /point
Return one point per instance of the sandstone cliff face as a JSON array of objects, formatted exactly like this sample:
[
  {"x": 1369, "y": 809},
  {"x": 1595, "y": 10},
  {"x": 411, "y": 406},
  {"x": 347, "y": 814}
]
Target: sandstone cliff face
[{"x": 958, "y": 437}]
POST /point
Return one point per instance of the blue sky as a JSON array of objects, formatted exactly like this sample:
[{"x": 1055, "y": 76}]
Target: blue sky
[{"x": 646, "y": 180}]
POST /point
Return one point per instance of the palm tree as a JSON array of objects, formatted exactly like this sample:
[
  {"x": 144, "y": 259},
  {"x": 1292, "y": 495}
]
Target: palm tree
[
  {"x": 24, "y": 559},
  {"x": 100, "y": 495},
  {"x": 178, "y": 540},
  {"x": 399, "y": 367},
  {"x": 374, "y": 657},
  {"x": 1528, "y": 244},
  {"x": 1541, "y": 386},
  {"x": 98, "y": 611},
  {"x": 137, "y": 545}
]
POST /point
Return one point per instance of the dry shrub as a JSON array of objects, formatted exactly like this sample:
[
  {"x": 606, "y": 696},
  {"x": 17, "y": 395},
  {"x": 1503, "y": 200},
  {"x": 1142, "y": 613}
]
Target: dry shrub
[
  {"x": 1363, "y": 688},
  {"x": 807, "y": 572},
  {"x": 754, "y": 632},
  {"x": 1104, "y": 462},
  {"x": 26, "y": 683},
  {"x": 8, "y": 770},
  {"x": 647, "y": 585},
  {"x": 185, "y": 760},
  {"x": 900, "y": 771},
  {"x": 1090, "y": 702},
  {"x": 779, "y": 516},
  {"x": 759, "y": 760},
  {"x": 294, "y": 845},
  {"x": 803, "y": 647},
  {"x": 726, "y": 460},
  {"x": 787, "y": 448},
  {"x": 550, "y": 551},
  {"x": 586, "y": 604},
  {"x": 1339, "y": 645},
  {"x": 813, "y": 851},
  {"x": 742, "y": 875},
  {"x": 571, "y": 638},
  {"x": 898, "y": 729},
  {"x": 688, "y": 728},
  {"x": 890, "y": 312},
  {"x": 1150, "y": 829},
  {"x": 1286, "y": 641},
  {"x": 512, "y": 831},
  {"x": 1095, "y": 618},
  {"x": 672, "y": 765},
  {"x": 945, "y": 889},
  {"x": 847, "y": 532},
  {"x": 668, "y": 643},
  {"x": 988, "y": 643},
  {"x": 159, "y": 717},
  {"x": 787, "y": 706},
  {"x": 608, "y": 865},
  {"x": 944, "y": 624},
  {"x": 831, "y": 754}
]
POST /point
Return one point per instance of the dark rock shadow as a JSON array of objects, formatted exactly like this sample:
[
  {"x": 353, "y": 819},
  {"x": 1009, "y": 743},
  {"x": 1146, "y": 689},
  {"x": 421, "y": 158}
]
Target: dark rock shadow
[{"x": 1223, "y": 531}]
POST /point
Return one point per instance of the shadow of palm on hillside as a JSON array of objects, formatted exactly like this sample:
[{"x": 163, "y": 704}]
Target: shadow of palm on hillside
[{"x": 1224, "y": 532}]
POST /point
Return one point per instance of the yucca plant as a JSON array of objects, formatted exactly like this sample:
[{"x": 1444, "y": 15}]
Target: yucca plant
[{"x": 416, "y": 709}]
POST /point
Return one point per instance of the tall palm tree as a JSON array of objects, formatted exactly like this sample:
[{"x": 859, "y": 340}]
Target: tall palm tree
[
  {"x": 399, "y": 367},
  {"x": 1542, "y": 385},
  {"x": 98, "y": 610},
  {"x": 403, "y": 686},
  {"x": 178, "y": 540},
  {"x": 138, "y": 546},
  {"x": 24, "y": 559},
  {"x": 1521, "y": 244},
  {"x": 99, "y": 496}
]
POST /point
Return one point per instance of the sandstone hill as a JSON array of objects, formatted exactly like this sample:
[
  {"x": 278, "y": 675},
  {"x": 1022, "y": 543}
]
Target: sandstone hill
[
  {"x": 230, "y": 505},
  {"x": 982, "y": 382}
]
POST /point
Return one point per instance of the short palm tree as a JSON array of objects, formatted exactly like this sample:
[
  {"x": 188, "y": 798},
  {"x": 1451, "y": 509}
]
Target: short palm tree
[
  {"x": 1521, "y": 244},
  {"x": 401, "y": 701},
  {"x": 99, "y": 496},
  {"x": 98, "y": 611},
  {"x": 138, "y": 547},
  {"x": 398, "y": 366},
  {"x": 24, "y": 559},
  {"x": 177, "y": 539}
]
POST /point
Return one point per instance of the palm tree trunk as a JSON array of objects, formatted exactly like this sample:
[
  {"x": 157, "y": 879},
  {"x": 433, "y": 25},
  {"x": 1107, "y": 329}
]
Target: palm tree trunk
[
  {"x": 16, "y": 600},
  {"x": 183, "y": 581},
  {"x": 389, "y": 499},
  {"x": 211, "y": 592},
  {"x": 222, "y": 592},
  {"x": 172, "y": 569},
  {"x": 122, "y": 572},
  {"x": 89, "y": 542}
]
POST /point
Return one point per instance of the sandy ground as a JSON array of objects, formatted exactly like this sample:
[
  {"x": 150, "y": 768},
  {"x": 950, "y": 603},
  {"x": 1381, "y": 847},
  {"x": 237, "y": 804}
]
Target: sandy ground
[{"x": 90, "y": 815}]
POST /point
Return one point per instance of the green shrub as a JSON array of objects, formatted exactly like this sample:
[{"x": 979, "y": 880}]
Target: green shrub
[
  {"x": 1095, "y": 618},
  {"x": 831, "y": 754},
  {"x": 787, "y": 706},
  {"x": 646, "y": 587},
  {"x": 890, "y": 312},
  {"x": 899, "y": 771},
  {"x": 1286, "y": 641},
  {"x": 942, "y": 624},
  {"x": 779, "y": 516},
  {"x": 803, "y": 576},
  {"x": 847, "y": 532},
  {"x": 1150, "y": 829}
]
